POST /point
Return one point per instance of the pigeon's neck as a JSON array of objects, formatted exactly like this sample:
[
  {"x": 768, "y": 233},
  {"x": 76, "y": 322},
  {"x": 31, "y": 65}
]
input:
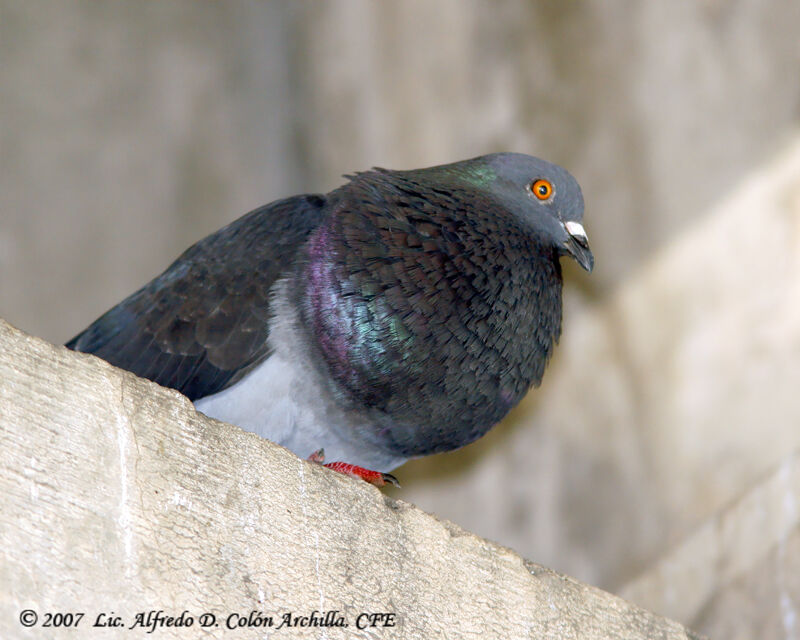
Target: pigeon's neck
[{"x": 398, "y": 271}]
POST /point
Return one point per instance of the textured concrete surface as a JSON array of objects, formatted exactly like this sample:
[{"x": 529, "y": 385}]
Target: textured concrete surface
[
  {"x": 663, "y": 403},
  {"x": 118, "y": 498},
  {"x": 738, "y": 575}
]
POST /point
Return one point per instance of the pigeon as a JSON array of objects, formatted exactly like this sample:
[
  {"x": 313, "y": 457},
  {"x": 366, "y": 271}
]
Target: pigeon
[{"x": 400, "y": 315}]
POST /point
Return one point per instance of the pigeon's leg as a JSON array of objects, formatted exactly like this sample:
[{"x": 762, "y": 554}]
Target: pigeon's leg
[{"x": 376, "y": 478}]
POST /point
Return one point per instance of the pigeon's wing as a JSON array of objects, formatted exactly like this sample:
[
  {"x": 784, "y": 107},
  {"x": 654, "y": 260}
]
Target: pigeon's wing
[{"x": 204, "y": 321}]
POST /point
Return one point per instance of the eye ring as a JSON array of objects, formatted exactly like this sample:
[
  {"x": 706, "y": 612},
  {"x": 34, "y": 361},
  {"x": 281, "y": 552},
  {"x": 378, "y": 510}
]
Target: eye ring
[{"x": 542, "y": 189}]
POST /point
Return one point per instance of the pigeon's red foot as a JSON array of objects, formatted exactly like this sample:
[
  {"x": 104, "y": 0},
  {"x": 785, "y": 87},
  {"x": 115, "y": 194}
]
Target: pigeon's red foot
[{"x": 376, "y": 478}]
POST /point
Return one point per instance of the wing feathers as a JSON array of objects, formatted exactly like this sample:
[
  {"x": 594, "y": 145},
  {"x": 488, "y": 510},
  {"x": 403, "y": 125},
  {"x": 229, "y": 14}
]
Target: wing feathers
[{"x": 203, "y": 321}]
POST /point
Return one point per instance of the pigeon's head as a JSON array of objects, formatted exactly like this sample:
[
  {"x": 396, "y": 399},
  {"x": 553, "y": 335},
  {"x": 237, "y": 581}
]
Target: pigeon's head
[{"x": 544, "y": 197}]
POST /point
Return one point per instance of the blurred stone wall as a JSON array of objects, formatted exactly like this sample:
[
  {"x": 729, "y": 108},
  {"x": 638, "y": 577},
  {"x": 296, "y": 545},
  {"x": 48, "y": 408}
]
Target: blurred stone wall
[
  {"x": 737, "y": 576},
  {"x": 129, "y": 130}
]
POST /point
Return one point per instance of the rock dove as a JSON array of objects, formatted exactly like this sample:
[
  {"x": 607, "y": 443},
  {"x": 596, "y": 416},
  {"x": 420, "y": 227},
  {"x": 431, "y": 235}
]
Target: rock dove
[{"x": 400, "y": 315}]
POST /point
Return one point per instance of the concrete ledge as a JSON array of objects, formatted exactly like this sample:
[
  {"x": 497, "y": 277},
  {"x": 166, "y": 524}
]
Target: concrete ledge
[{"x": 118, "y": 498}]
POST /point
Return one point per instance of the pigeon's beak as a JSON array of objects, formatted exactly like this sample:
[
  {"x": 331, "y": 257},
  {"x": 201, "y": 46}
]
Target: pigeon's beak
[{"x": 577, "y": 245}]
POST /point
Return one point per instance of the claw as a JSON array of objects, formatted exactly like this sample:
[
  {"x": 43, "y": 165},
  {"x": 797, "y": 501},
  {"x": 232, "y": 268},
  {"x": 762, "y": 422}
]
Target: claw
[{"x": 390, "y": 479}]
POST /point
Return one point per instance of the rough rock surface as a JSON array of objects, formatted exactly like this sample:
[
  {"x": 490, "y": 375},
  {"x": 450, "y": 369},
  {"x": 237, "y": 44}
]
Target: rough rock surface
[{"x": 118, "y": 497}]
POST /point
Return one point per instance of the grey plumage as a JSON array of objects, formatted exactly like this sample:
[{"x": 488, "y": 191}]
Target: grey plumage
[{"x": 402, "y": 314}]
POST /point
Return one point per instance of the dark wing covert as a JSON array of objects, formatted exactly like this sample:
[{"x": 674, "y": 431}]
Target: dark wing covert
[{"x": 203, "y": 322}]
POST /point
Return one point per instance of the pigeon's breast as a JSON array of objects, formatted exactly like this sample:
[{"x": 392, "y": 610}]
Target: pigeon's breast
[
  {"x": 436, "y": 344},
  {"x": 363, "y": 341}
]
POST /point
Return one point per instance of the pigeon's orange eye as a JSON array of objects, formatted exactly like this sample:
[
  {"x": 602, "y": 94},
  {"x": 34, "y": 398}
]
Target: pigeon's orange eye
[{"x": 542, "y": 189}]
